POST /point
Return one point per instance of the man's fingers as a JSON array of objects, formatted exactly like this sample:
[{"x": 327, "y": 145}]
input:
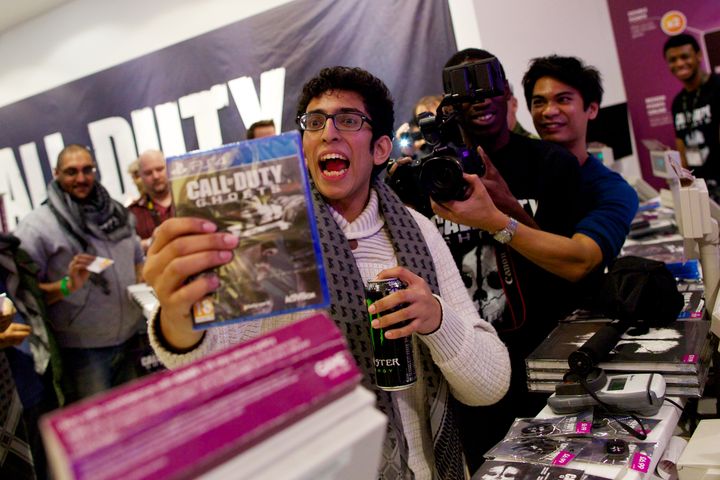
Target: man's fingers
[
  {"x": 178, "y": 270},
  {"x": 173, "y": 228},
  {"x": 185, "y": 246},
  {"x": 20, "y": 328},
  {"x": 192, "y": 292}
]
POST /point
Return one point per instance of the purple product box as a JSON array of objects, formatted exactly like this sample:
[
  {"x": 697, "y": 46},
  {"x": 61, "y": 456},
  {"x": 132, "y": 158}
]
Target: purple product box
[{"x": 178, "y": 423}]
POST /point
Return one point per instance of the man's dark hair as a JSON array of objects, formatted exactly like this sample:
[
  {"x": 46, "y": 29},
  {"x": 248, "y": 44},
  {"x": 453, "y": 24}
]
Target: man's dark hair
[
  {"x": 469, "y": 55},
  {"x": 73, "y": 147},
  {"x": 679, "y": 41},
  {"x": 569, "y": 70},
  {"x": 375, "y": 95},
  {"x": 258, "y": 124}
]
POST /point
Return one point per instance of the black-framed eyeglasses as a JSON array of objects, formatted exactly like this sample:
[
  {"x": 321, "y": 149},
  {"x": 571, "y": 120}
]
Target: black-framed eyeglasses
[
  {"x": 345, "y": 121},
  {"x": 73, "y": 172}
]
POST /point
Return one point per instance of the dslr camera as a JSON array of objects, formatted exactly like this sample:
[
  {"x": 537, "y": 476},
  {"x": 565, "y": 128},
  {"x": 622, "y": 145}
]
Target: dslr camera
[{"x": 439, "y": 172}]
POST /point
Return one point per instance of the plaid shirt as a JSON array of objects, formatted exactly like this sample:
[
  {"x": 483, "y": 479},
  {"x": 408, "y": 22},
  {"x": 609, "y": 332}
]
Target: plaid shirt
[{"x": 149, "y": 215}]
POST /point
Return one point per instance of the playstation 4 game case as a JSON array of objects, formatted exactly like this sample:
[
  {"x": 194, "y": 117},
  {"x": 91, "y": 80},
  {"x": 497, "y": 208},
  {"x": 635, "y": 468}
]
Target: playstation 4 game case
[{"x": 258, "y": 190}]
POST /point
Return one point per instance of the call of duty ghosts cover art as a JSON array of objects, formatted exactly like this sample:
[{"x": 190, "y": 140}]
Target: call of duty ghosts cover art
[{"x": 257, "y": 190}]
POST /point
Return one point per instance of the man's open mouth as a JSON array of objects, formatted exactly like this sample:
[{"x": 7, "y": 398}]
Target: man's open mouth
[{"x": 334, "y": 165}]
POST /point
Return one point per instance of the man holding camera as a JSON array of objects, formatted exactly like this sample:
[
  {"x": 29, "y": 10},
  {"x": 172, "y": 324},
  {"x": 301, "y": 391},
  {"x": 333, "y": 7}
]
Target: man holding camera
[{"x": 528, "y": 184}]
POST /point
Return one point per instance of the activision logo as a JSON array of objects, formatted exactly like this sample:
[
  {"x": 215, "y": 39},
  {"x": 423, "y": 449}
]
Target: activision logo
[{"x": 299, "y": 297}]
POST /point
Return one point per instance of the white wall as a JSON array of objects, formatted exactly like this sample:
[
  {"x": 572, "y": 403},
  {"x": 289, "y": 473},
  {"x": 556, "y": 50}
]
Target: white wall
[
  {"x": 85, "y": 36},
  {"x": 519, "y": 30}
]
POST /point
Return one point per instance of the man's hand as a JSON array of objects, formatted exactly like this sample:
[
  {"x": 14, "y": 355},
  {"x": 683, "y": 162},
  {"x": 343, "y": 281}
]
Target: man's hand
[
  {"x": 421, "y": 307},
  {"x": 78, "y": 272},
  {"x": 490, "y": 202},
  {"x": 500, "y": 193},
  {"x": 495, "y": 184},
  {"x": 182, "y": 248},
  {"x": 14, "y": 335},
  {"x": 478, "y": 211}
]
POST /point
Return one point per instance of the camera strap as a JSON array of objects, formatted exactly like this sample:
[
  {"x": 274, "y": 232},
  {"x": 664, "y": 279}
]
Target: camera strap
[{"x": 515, "y": 310}]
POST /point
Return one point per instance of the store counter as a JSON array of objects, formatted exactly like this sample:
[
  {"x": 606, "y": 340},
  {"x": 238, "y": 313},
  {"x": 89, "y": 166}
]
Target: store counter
[{"x": 668, "y": 415}]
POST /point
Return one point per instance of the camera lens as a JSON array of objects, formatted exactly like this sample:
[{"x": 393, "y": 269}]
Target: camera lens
[{"x": 442, "y": 178}]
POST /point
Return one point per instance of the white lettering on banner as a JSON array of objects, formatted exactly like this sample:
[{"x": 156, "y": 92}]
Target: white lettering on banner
[
  {"x": 54, "y": 144},
  {"x": 203, "y": 107},
  {"x": 116, "y": 143},
  {"x": 170, "y": 128},
  {"x": 143, "y": 124},
  {"x": 270, "y": 105},
  {"x": 33, "y": 172},
  {"x": 15, "y": 198},
  {"x": 106, "y": 134},
  {"x": 529, "y": 202},
  {"x": 17, "y": 202}
]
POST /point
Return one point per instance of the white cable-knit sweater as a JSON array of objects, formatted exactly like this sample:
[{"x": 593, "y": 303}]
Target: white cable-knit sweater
[{"x": 466, "y": 349}]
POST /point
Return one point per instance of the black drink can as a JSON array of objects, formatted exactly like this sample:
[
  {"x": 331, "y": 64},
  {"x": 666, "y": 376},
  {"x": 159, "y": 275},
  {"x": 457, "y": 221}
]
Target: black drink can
[{"x": 394, "y": 362}]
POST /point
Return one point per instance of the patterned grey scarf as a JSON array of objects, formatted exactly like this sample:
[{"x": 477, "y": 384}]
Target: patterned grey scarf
[
  {"x": 99, "y": 215},
  {"x": 25, "y": 303},
  {"x": 349, "y": 311}
]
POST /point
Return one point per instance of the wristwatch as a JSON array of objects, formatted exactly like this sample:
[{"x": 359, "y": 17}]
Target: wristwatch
[{"x": 506, "y": 234}]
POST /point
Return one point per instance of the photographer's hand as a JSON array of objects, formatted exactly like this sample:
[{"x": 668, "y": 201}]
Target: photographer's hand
[
  {"x": 570, "y": 258},
  {"x": 500, "y": 193},
  {"x": 478, "y": 210}
]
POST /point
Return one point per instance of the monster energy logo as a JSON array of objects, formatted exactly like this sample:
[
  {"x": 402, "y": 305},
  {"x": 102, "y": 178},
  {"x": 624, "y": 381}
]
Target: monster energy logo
[{"x": 373, "y": 317}]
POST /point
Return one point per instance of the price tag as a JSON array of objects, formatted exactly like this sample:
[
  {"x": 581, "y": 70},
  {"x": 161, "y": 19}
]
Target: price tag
[
  {"x": 563, "y": 458},
  {"x": 640, "y": 462},
  {"x": 583, "y": 427}
]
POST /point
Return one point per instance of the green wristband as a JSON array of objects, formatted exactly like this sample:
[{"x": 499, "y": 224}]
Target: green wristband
[{"x": 64, "y": 286}]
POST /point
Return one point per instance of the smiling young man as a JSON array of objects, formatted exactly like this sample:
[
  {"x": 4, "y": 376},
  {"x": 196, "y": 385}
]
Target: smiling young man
[
  {"x": 94, "y": 320},
  {"x": 696, "y": 108},
  {"x": 563, "y": 95},
  {"x": 346, "y": 116}
]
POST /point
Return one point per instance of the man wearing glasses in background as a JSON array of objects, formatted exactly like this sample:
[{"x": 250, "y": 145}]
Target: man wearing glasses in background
[
  {"x": 346, "y": 116},
  {"x": 94, "y": 320}
]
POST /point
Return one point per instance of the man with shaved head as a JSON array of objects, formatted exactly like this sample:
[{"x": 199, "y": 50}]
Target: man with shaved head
[
  {"x": 95, "y": 322},
  {"x": 155, "y": 205}
]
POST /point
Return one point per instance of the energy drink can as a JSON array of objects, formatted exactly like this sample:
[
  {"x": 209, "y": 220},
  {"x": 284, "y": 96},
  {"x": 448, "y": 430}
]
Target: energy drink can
[{"x": 394, "y": 362}]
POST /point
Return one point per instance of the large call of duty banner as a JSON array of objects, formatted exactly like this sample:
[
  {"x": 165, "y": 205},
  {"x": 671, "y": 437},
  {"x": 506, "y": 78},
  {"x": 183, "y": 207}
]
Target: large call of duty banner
[{"x": 205, "y": 91}]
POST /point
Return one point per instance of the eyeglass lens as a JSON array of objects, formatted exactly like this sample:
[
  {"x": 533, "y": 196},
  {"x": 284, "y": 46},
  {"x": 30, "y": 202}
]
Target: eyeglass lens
[{"x": 348, "y": 121}]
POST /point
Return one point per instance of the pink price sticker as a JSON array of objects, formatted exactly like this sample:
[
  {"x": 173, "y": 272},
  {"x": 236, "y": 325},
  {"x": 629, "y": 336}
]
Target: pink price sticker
[
  {"x": 640, "y": 462},
  {"x": 583, "y": 427},
  {"x": 690, "y": 358},
  {"x": 563, "y": 458}
]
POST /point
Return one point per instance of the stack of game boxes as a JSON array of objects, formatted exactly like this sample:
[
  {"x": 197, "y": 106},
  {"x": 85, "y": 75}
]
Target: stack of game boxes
[
  {"x": 680, "y": 352},
  {"x": 283, "y": 405}
]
